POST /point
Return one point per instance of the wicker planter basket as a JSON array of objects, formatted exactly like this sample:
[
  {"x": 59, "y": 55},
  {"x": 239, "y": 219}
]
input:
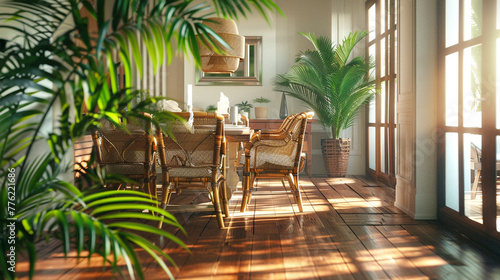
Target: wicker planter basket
[
  {"x": 336, "y": 156},
  {"x": 261, "y": 112}
]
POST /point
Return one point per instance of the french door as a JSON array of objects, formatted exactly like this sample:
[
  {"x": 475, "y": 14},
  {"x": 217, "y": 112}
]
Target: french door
[
  {"x": 382, "y": 48},
  {"x": 469, "y": 116}
]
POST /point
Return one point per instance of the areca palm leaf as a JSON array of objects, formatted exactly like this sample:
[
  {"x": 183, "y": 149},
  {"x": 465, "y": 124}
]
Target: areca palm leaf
[
  {"x": 234, "y": 8},
  {"x": 311, "y": 99},
  {"x": 17, "y": 130},
  {"x": 344, "y": 50},
  {"x": 97, "y": 222},
  {"x": 322, "y": 56},
  {"x": 350, "y": 92},
  {"x": 330, "y": 83},
  {"x": 105, "y": 228},
  {"x": 298, "y": 83}
]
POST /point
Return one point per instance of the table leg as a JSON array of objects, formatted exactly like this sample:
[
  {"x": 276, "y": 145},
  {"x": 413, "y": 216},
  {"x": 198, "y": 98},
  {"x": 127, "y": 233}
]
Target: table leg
[{"x": 232, "y": 162}]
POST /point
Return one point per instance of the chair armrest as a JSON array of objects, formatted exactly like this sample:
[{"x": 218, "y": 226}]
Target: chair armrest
[
  {"x": 279, "y": 135},
  {"x": 270, "y": 131},
  {"x": 223, "y": 146},
  {"x": 265, "y": 140}
]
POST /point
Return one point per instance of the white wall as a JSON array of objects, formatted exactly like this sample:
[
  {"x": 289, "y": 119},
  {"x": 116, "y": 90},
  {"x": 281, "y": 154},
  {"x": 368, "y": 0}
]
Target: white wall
[{"x": 281, "y": 43}]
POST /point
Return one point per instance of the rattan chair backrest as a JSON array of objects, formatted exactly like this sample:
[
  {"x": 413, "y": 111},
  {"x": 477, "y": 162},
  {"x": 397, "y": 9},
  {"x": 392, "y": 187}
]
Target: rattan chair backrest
[
  {"x": 115, "y": 145},
  {"x": 287, "y": 122},
  {"x": 196, "y": 146}
]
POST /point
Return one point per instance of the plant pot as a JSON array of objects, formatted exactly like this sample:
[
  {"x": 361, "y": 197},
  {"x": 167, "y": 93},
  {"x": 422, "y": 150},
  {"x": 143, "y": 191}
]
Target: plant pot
[
  {"x": 336, "y": 156},
  {"x": 261, "y": 112}
]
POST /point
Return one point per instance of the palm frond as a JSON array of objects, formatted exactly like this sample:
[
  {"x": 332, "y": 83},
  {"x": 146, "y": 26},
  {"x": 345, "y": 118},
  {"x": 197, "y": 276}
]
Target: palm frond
[
  {"x": 328, "y": 82},
  {"x": 233, "y": 9}
]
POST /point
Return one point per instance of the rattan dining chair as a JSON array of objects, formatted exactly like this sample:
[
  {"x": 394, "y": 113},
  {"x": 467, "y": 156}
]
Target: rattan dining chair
[
  {"x": 276, "y": 154},
  {"x": 284, "y": 126},
  {"x": 131, "y": 154},
  {"x": 195, "y": 158}
]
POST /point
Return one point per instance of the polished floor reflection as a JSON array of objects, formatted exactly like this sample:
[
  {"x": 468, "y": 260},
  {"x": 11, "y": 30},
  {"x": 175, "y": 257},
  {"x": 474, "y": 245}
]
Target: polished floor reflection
[{"x": 349, "y": 230}]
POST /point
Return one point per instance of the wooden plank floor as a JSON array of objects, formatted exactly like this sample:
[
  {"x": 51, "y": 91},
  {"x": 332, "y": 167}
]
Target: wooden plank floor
[{"x": 349, "y": 230}]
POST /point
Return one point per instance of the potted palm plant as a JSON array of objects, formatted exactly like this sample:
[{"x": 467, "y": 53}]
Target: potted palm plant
[
  {"x": 211, "y": 108},
  {"x": 55, "y": 67},
  {"x": 261, "y": 111},
  {"x": 245, "y": 107},
  {"x": 335, "y": 86}
]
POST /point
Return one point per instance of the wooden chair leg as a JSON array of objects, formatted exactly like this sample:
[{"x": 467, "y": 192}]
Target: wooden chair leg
[
  {"x": 216, "y": 202},
  {"x": 475, "y": 185},
  {"x": 246, "y": 191},
  {"x": 293, "y": 180},
  {"x": 253, "y": 178},
  {"x": 225, "y": 202},
  {"x": 248, "y": 182},
  {"x": 166, "y": 194},
  {"x": 283, "y": 182},
  {"x": 223, "y": 191}
]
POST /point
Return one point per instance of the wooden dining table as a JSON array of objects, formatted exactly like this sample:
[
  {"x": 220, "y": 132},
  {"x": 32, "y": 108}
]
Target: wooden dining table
[{"x": 236, "y": 135}]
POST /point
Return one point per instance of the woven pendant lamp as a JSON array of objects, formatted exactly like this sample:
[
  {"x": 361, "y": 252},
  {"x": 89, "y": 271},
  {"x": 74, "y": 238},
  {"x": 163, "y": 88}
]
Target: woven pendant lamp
[{"x": 229, "y": 59}]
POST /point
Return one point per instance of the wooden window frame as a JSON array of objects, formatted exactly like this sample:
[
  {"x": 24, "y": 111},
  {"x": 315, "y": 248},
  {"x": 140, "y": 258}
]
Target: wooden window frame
[{"x": 388, "y": 176}]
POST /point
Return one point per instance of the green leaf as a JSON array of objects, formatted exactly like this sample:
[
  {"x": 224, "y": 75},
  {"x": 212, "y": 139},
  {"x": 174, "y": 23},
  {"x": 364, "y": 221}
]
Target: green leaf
[
  {"x": 152, "y": 249},
  {"x": 148, "y": 228},
  {"x": 136, "y": 53},
  {"x": 91, "y": 234},
  {"x": 111, "y": 67},
  {"x": 99, "y": 195},
  {"x": 108, "y": 202},
  {"x": 328, "y": 82},
  {"x": 80, "y": 229},
  {"x": 150, "y": 46}
]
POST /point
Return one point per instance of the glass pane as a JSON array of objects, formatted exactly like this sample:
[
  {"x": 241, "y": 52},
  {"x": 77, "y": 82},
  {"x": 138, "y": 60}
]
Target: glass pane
[
  {"x": 382, "y": 149},
  {"x": 382, "y": 16},
  {"x": 388, "y": 53},
  {"x": 472, "y": 18},
  {"x": 371, "y": 155},
  {"x": 371, "y": 22},
  {"x": 452, "y": 22},
  {"x": 396, "y": 11},
  {"x": 395, "y": 52},
  {"x": 452, "y": 90},
  {"x": 382, "y": 58},
  {"x": 395, "y": 103},
  {"x": 472, "y": 87},
  {"x": 498, "y": 183},
  {"x": 451, "y": 187},
  {"x": 373, "y": 57},
  {"x": 498, "y": 82},
  {"x": 389, "y": 15},
  {"x": 383, "y": 101},
  {"x": 473, "y": 204},
  {"x": 371, "y": 111}
]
